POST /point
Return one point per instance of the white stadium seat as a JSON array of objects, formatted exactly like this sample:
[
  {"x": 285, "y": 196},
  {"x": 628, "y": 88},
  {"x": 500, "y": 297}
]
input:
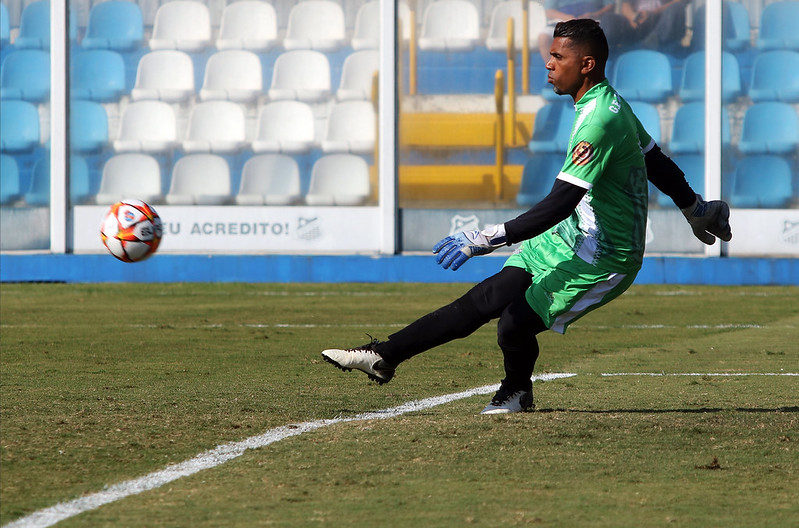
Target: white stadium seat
[
  {"x": 339, "y": 179},
  {"x": 215, "y": 126},
  {"x": 285, "y": 126},
  {"x": 270, "y": 179},
  {"x": 200, "y": 179}
]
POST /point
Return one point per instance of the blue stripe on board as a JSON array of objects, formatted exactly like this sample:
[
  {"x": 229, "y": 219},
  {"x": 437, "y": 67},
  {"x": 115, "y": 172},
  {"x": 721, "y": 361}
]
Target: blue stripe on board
[{"x": 361, "y": 268}]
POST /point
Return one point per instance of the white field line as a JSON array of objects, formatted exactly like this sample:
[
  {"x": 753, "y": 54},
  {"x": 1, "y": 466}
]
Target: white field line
[
  {"x": 723, "y": 326},
  {"x": 223, "y": 453},
  {"x": 701, "y": 374}
]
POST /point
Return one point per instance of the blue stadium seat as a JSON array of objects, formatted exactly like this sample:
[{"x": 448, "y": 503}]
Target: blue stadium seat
[
  {"x": 19, "y": 126},
  {"x": 693, "y": 165},
  {"x": 34, "y": 26},
  {"x": 552, "y": 128},
  {"x": 115, "y": 25},
  {"x": 5, "y": 25},
  {"x": 735, "y": 26},
  {"x": 643, "y": 75},
  {"x": 9, "y": 180},
  {"x": 88, "y": 127},
  {"x": 538, "y": 175},
  {"x": 649, "y": 117},
  {"x": 692, "y": 82},
  {"x": 98, "y": 75},
  {"x": 25, "y": 75},
  {"x": 762, "y": 181},
  {"x": 688, "y": 129},
  {"x": 39, "y": 192},
  {"x": 770, "y": 128},
  {"x": 775, "y": 77},
  {"x": 778, "y": 26}
]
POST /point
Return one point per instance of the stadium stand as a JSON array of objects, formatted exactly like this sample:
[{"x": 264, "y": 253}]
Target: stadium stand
[
  {"x": 351, "y": 127},
  {"x": 285, "y": 126},
  {"x": 552, "y": 128},
  {"x": 98, "y": 75},
  {"x": 130, "y": 174},
  {"x": 688, "y": 129},
  {"x": 182, "y": 25},
  {"x": 39, "y": 192},
  {"x": 200, "y": 179},
  {"x": 538, "y": 176},
  {"x": 248, "y": 25},
  {"x": 497, "y": 38},
  {"x": 10, "y": 190},
  {"x": 356, "y": 75},
  {"x": 692, "y": 80},
  {"x": 19, "y": 127},
  {"x": 643, "y": 75},
  {"x": 270, "y": 179},
  {"x": 770, "y": 128},
  {"x": 164, "y": 75},
  {"x": 762, "y": 181},
  {"x": 339, "y": 179},
  {"x": 88, "y": 127},
  {"x": 5, "y": 26},
  {"x": 316, "y": 25},
  {"x": 450, "y": 25},
  {"x": 775, "y": 77},
  {"x": 233, "y": 75},
  {"x": 25, "y": 75},
  {"x": 34, "y": 26},
  {"x": 649, "y": 117},
  {"x": 216, "y": 126},
  {"x": 366, "y": 34},
  {"x": 147, "y": 126},
  {"x": 301, "y": 74}
]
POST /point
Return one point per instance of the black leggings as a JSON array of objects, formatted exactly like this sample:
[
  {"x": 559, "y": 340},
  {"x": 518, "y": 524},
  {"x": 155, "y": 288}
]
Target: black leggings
[{"x": 501, "y": 295}]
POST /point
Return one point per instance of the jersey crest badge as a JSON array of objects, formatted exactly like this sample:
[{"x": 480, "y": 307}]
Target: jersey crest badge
[{"x": 582, "y": 153}]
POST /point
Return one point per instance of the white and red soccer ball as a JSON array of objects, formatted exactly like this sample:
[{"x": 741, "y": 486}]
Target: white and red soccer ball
[{"x": 131, "y": 230}]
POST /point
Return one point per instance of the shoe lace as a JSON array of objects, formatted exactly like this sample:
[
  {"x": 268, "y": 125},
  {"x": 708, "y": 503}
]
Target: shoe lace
[{"x": 370, "y": 345}]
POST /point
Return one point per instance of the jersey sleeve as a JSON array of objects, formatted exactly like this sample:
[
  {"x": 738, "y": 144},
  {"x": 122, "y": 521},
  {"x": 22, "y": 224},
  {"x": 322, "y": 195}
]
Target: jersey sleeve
[
  {"x": 644, "y": 139},
  {"x": 586, "y": 160}
]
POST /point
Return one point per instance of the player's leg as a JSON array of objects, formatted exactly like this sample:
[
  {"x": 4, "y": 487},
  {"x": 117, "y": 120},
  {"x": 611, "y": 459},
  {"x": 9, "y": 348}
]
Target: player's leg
[{"x": 484, "y": 302}]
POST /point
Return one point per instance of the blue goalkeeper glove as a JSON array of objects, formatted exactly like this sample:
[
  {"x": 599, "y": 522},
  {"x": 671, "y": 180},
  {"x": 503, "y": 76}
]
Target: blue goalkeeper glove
[
  {"x": 709, "y": 220},
  {"x": 454, "y": 250}
]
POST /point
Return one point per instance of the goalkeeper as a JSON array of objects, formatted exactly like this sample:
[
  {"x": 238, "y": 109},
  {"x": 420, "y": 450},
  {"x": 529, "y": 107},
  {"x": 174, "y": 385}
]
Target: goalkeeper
[{"x": 582, "y": 245}]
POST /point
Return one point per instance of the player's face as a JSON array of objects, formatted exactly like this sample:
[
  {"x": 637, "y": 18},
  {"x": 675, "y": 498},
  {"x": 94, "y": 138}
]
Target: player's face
[{"x": 566, "y": 67}]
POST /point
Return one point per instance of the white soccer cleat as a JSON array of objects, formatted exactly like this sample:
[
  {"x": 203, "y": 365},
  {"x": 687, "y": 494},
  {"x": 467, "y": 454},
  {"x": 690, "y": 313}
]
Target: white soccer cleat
[
  {"x": 505, "y": 402},
  {"x": 363, "y": 358}
]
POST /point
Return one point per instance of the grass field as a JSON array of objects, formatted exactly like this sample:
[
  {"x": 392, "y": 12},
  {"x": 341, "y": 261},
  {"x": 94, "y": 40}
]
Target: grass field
[{"x": 100, "y": 384}]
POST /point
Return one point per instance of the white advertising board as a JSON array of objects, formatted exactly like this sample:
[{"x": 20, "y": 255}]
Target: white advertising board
[
  {"x": 243, "y": 229},
  {"x": 773, "y": 232}
]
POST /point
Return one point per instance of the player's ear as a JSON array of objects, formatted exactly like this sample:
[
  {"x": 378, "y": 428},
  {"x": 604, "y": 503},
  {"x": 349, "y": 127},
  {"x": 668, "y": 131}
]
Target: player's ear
[{"x": 589, "y": 64}]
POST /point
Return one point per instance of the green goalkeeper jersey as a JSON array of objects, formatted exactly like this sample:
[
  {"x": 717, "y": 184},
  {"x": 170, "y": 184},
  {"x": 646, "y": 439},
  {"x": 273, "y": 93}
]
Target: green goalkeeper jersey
[{"x": 605, "y": 157}]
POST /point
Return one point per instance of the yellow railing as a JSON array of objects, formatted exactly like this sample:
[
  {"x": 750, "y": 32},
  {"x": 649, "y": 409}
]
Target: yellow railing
[{"x": 499, "y": 97}]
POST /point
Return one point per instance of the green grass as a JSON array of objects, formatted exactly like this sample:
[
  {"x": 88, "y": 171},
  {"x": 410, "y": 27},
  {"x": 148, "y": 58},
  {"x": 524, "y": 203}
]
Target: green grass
[{"x": 105, "y": 383}]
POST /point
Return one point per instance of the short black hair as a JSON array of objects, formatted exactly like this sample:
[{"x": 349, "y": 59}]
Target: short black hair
[{"x": 585, "y": 32}]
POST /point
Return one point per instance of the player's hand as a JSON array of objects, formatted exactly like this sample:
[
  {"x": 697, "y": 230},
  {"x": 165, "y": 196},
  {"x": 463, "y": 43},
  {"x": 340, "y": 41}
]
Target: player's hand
[
  {"x": 454, "y": 250},
  {"x": 709, "y": 220}
]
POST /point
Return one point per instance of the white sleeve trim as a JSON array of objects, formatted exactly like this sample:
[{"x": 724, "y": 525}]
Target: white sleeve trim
[
  {"x": 568, "y": 178},
  {"x": 649, "y": 146}
]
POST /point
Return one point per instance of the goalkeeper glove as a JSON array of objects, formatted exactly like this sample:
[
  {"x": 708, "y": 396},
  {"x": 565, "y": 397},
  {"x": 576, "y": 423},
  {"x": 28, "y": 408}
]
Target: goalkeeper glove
[
  {"x": 709, "y": 220},
  {"x": 454, "y": 250}
]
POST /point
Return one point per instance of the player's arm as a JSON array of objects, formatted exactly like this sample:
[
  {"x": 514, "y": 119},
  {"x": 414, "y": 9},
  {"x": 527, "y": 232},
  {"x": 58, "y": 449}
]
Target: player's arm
[
  {"x": 454, "y": 250},
  {"x": 708, "y": 220}
]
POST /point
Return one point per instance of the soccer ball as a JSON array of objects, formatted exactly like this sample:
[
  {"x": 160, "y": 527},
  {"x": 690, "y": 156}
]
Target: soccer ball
[{"x": 131, "y": 230}]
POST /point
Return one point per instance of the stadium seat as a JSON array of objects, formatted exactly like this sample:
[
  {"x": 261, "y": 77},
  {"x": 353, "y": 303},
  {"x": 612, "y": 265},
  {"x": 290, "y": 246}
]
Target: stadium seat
[
  {"x": 147, "y": 126},
  {"x": 285, "y": 126},
  {"x": 98, "y": 75},
  {"x": 301, "y": 74},
  {"x": 114, "y": 25},
  {"x": 248, "y": 25},
  {"x": 775, "y": 77},
  {"x": 130, "y": 175},
  {"x": 19, "y": 127},
  {"x": 39, "y": 192},
  {"x": 270, "y": 179},
  {"x": 356, "y": 75},
  {"x": 778, "y": 26},
  {"x": 350, "y": 128},
  {"x": 366, "y": 34},
  {"x": 25, "y": 75},
  {"x": 315, "y": 25},
  {"x": 735, "y": 26},
  {"x": 339, "y": 179},
  {"x": 34, "y": 26},
  {"x": 762, "y": 181},
  {"x": 88, "y": 127},
  {"x": 552, "y": 128},
  {"x": 10, "y": 190},
  {"x": 5, "y": 25},
  {"x": 692, "y": 81},
  {"x": 164, "y": 75},
  {"x": 770, "y": 128},
  {"x": 200, "y": 179},
  {"x": 538, "y": 176},
  {"x": 497, "y": 39},
  {"x": 643, "y": 75},
  {"x": 182, "y": 25},
  {"x": 217, "y": 127},
  {"x": 693, "y": 165},
  {"x": 688, "y": 129},
  {"x": 649, "y": 117},
  {"x": 450, "y": 25},
  {"x": 233, "y": 75}
]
